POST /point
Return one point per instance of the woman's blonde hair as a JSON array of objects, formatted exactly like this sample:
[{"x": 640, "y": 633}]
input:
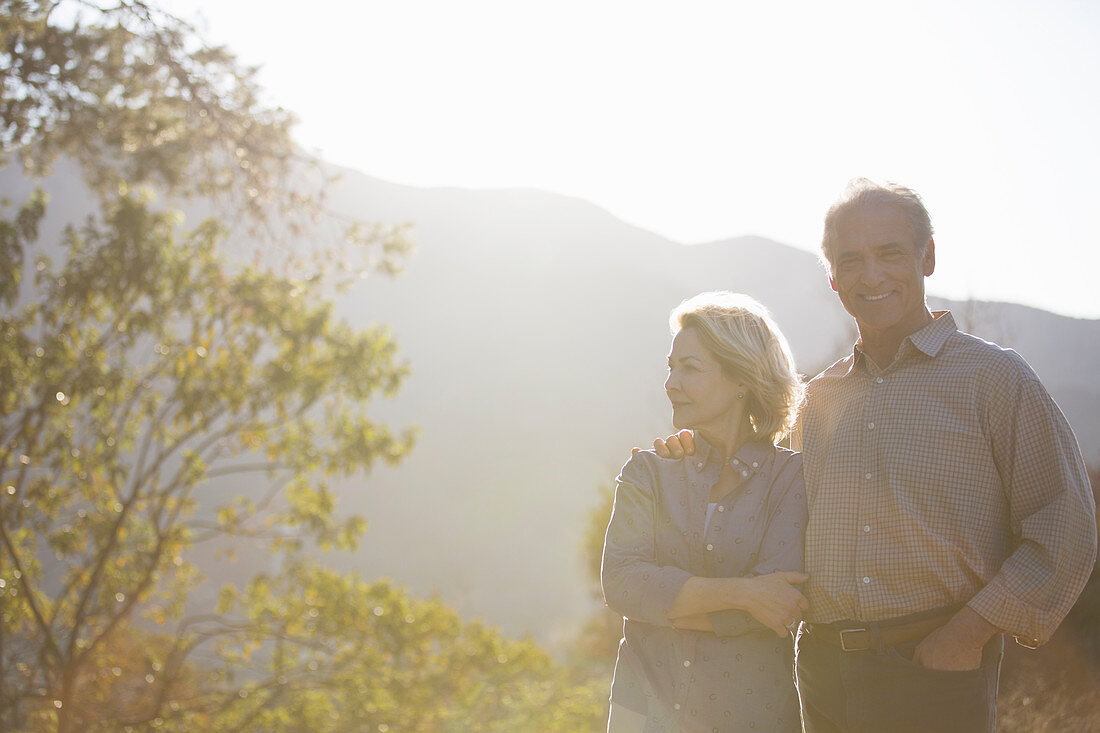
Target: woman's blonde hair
[{"x": 751, "y": 349}]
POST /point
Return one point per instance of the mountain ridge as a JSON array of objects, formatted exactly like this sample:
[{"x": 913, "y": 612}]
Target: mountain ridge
[{"x": 536, "y": 328}]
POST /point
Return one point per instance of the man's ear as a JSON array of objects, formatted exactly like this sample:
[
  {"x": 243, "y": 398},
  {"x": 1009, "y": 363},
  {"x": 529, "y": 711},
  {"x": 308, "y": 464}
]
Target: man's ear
[{"x": 928, "y": 262}]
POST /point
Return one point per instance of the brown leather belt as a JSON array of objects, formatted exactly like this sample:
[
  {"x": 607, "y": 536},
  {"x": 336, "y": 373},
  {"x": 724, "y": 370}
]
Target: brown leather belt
[{"x": 858, "y": 636}]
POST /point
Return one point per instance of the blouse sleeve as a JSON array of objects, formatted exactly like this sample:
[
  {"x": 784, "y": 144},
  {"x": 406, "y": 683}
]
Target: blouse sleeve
[{"x": 634, "y": 584}]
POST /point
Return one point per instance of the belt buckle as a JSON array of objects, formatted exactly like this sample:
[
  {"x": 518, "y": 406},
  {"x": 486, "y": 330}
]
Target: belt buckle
[{"x": 844, "y": 643}]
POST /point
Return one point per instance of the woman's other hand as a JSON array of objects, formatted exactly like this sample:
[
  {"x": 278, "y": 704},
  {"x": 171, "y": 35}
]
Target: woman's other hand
[{"x": 773, "y": 599}]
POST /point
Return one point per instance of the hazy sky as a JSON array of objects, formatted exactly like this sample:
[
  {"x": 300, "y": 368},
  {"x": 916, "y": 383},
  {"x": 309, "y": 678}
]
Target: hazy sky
[{"x": 707, "y": 120}]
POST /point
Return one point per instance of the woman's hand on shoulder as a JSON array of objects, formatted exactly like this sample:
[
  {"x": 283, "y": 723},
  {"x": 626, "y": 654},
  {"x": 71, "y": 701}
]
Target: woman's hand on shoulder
[{"x": 677, "y": 445}]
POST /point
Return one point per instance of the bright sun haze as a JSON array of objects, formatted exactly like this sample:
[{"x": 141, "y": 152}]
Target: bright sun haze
[{"x": 707, "y": 120}]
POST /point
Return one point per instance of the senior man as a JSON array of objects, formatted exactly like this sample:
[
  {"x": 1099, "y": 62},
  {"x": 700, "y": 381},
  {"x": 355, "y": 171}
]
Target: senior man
[{"x": 948, "y": 500}]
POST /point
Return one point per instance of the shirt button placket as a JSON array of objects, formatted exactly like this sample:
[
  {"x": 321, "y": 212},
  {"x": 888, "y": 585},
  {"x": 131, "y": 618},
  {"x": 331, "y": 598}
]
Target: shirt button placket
[
  {"x": 870, "y": 485},
  {"x": 685, "y": 686}
]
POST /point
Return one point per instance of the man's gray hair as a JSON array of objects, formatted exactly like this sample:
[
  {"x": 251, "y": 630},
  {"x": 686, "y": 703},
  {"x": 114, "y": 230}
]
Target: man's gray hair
[{"x": 860, "y": 191}]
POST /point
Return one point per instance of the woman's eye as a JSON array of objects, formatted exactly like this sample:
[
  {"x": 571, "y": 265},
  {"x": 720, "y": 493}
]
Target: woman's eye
[{"x": 683, "y": 367}]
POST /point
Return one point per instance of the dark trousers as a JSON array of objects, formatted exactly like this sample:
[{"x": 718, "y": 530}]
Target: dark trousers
[{"x": 885, "y": 691}]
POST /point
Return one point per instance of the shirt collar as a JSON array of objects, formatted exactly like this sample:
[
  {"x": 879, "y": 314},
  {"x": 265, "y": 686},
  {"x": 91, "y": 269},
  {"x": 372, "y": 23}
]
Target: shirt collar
[
  {"x": 748, "y": 458},
  {"x": 932, "y": 337},
  {"x": 928, "y": 340}
]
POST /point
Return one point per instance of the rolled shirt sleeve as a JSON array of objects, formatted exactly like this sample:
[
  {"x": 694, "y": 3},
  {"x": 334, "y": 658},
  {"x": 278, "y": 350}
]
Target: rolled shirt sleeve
[{"x": 1052, "y": 514}]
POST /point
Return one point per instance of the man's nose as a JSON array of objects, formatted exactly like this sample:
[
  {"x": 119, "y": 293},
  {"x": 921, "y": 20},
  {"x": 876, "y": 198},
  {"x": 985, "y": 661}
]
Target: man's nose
[{"x": 872, "y": 272}]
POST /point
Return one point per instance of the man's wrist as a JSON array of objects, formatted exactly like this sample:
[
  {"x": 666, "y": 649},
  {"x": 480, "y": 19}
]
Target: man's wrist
[{"x": 971, "y": 628}]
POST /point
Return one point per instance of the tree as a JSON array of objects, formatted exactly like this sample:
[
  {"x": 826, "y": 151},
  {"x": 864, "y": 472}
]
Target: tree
[
  {"x": 133, "y": 94},
  {"x": 144, "y": 375},
  {"x": 389, "y": 663},
  {"x": 138, "y": 371},
  {"x": 136, "y": 97}
]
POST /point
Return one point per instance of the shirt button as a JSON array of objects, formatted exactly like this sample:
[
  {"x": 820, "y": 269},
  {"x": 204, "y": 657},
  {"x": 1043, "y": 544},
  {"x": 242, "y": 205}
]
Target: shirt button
[
  {"x": 879, "y": 380},
  {"x": 721, "y": 507},
  {"x": 699, "y": 465},
  {"x": 866, "y": 580},
  {"x": 676, "y": 706},
  {"x": 866, "y": 528},
  {"x": 710, "y": 547},
  {"x": 744, "y": 474},
  {"x": 687, "y": 662},
  {"x": 867, "y": 476},
  {"x": 870, "y": 426},
  {"x": 755, "y": 464}
]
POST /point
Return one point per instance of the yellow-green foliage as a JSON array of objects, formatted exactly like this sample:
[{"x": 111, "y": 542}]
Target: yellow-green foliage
[
  {"x": 339, "y": 653},
  {"x": 135, "y": 371},
  {"x": 140, "y": 367}
]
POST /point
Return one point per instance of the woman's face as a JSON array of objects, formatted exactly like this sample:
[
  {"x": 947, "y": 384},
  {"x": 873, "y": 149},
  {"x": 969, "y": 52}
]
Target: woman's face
[{"x": 702, "y": 395}]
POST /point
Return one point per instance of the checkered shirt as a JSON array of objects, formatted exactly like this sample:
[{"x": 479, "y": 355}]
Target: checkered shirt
[{"x": 948, "y": 477}]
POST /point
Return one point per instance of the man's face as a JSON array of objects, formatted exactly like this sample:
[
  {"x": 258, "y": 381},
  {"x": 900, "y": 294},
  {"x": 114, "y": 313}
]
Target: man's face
[{"x": 879, "y": 272}]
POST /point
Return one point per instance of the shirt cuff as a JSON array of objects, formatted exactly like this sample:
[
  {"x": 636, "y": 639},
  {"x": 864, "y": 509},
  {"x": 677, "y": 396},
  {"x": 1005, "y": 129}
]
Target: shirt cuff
[
  {"x": 1008, "y": 614},
  {"x": 661, "y": 592}
]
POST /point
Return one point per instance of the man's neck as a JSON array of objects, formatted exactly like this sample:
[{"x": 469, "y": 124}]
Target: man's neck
[
  {"x": 882, "y": 346},
  {"x": 882, "y": 353}
]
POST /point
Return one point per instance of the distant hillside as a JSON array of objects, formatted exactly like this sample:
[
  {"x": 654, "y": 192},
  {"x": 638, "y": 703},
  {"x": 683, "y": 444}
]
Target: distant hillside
[{"x": 536, "y": 327}]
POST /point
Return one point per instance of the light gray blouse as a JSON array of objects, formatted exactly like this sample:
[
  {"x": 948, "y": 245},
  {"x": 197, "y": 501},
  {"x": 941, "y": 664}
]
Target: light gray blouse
[{"x": 739, "y": 677}]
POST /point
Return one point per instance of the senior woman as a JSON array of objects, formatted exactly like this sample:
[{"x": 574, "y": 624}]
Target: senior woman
[{"x": 703, "y": 555}]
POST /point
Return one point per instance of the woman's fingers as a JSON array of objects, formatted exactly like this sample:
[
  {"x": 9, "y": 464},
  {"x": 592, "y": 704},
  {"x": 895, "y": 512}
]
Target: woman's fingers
[
  {"x": 668, "y": 448},
  {"x": 783, "y": 625},
  {"x": 674, "y": 446},
  {"x": 777, "y": 616},
  {"x": 783, "y": 582},
  {"x": 775, "y": 625},
  {"x": 777, "y": 603}
]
